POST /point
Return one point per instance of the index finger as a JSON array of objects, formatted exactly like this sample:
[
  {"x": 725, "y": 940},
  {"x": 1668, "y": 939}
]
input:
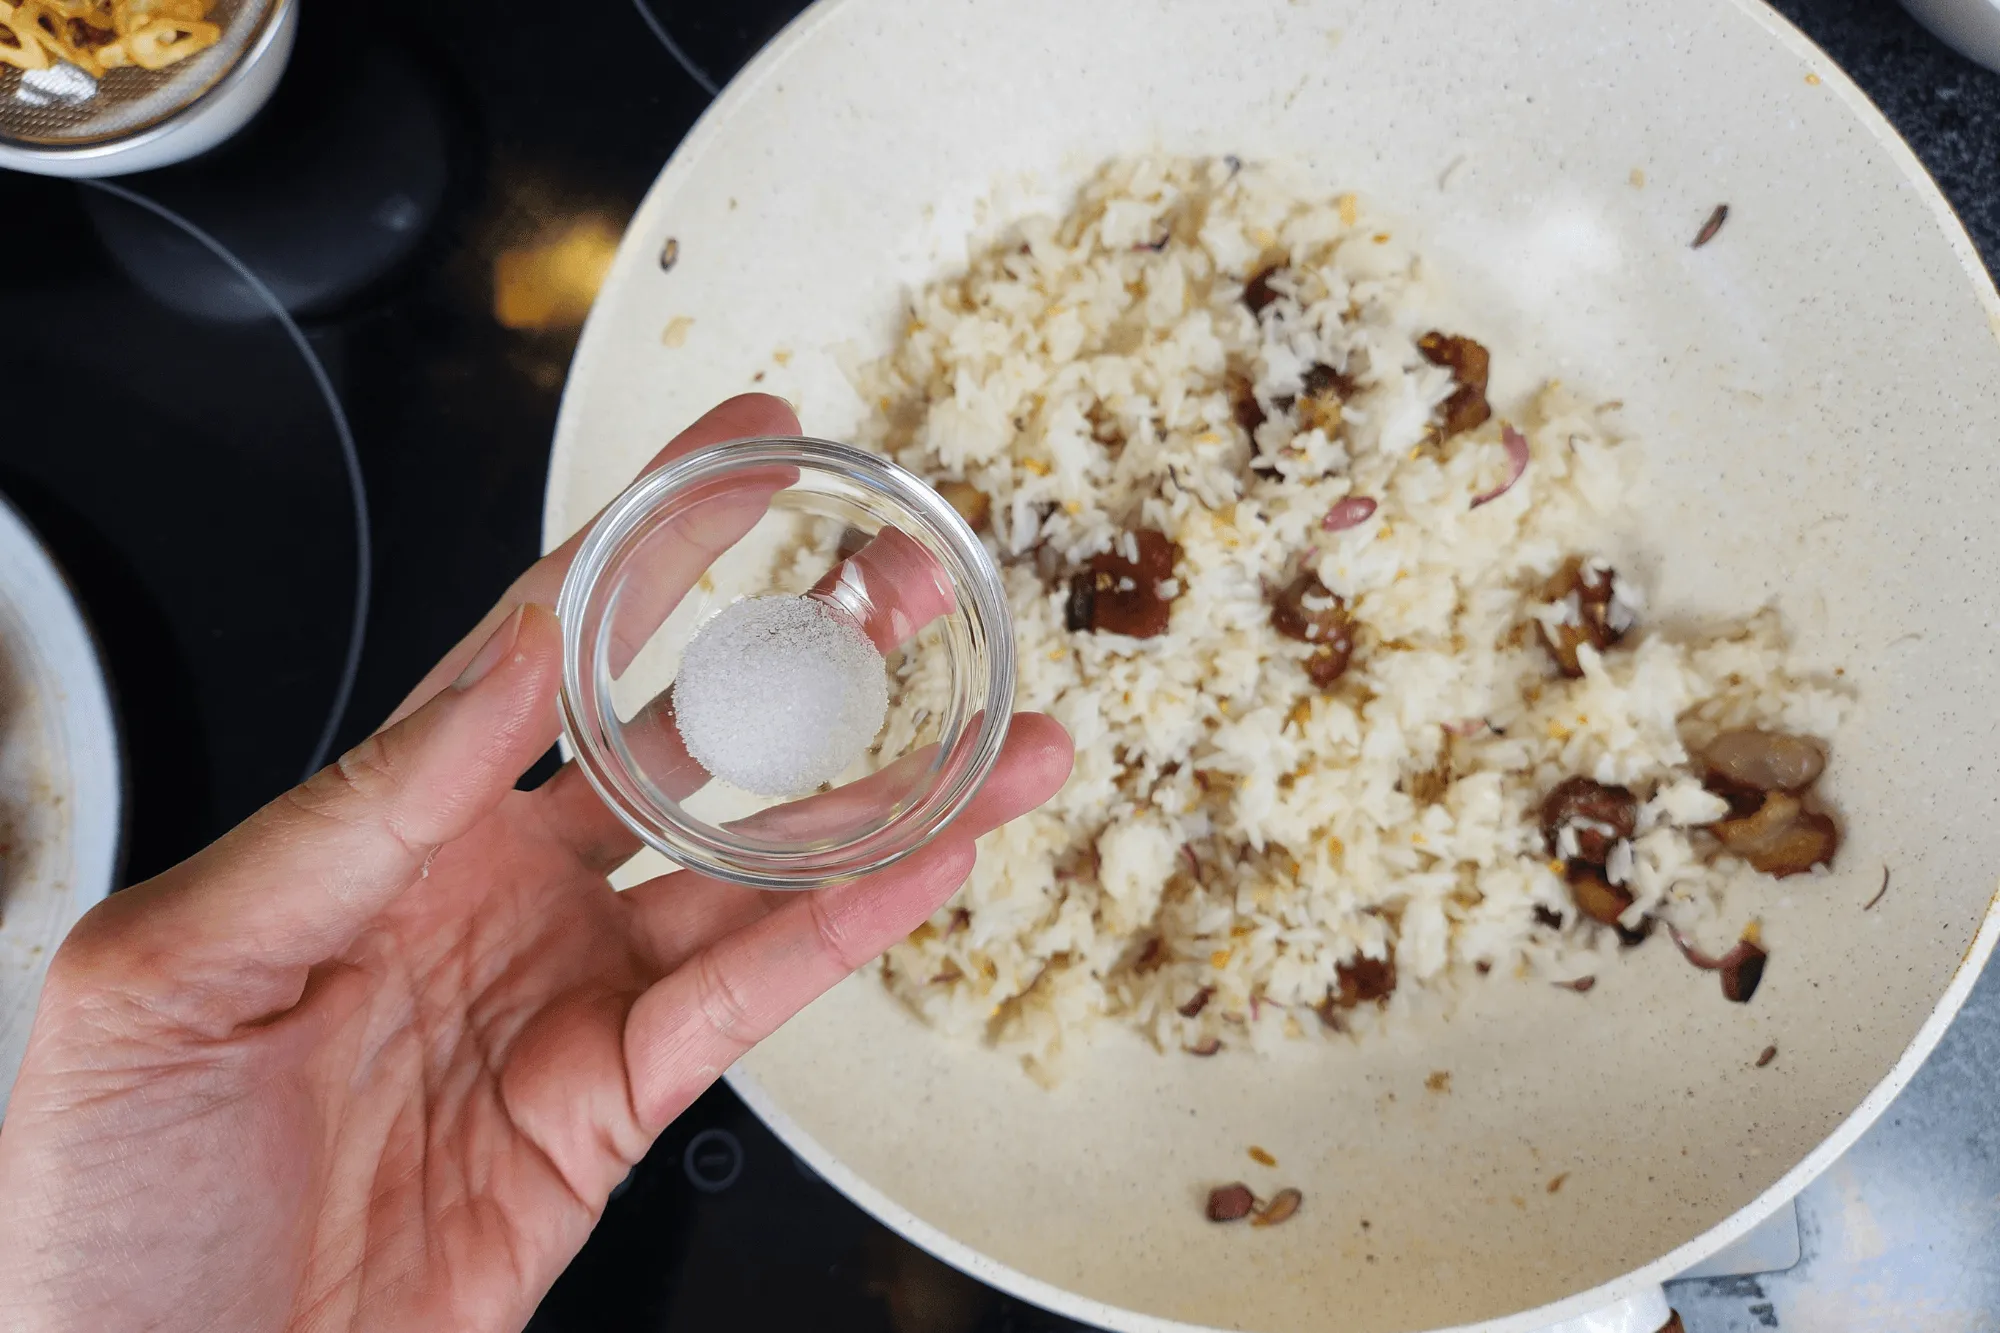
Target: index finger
[{"x": 746, "y": 415}]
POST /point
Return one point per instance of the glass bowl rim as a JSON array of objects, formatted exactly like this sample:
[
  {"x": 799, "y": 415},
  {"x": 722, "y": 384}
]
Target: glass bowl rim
[{"x": 695, "y": 845}]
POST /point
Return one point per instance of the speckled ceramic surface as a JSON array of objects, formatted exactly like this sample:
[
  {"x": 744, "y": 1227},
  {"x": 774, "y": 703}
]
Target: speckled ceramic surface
[
  {"x": 61, "y": 785},
  {"x": 1818, "y": 391}
]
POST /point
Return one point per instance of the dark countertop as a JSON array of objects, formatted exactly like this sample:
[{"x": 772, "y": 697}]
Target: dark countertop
[
  {"x": 1947, "y": 107},
  {"x": 206, "y": 523}
]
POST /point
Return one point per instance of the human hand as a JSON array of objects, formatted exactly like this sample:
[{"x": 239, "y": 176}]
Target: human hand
[{"x": 376, "y": 1059}]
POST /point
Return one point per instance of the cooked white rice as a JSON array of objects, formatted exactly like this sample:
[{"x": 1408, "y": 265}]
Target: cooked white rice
[{"x": 1230, "y": 826}]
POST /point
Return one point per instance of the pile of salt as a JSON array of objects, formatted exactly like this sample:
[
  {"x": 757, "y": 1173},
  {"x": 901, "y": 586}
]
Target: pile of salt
[{"x": 777, "y": 695}]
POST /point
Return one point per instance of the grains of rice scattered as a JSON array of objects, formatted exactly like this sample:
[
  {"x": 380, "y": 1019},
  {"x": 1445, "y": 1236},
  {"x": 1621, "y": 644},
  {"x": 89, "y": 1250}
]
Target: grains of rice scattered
[{"x": 1092, "y": 387}]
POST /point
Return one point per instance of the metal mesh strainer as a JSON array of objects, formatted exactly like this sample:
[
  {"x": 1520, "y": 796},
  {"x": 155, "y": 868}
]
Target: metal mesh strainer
[{"x": 61, "y": 106}]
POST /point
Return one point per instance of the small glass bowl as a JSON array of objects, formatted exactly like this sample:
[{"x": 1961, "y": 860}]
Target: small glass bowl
[{"x": 779, "y": 516}]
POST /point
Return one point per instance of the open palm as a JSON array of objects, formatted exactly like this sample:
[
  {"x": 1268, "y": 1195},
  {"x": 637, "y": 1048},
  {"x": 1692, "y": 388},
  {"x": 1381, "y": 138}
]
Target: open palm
[{"x": 377, "y": 1058}]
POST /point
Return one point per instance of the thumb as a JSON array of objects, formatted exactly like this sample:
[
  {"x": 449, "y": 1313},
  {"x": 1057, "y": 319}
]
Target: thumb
[{"x": 293, "y": 884}]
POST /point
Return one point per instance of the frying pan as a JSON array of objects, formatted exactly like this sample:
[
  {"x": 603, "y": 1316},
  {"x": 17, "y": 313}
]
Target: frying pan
[{"x": 1817, "y": 390}]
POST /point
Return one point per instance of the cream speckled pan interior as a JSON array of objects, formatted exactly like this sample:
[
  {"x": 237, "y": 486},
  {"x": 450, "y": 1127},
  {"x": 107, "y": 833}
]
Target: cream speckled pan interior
[{"x": 1818, "y": 391}]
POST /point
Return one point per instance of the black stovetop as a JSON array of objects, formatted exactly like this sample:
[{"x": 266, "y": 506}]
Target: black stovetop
[{"x": 178, "y": 449}]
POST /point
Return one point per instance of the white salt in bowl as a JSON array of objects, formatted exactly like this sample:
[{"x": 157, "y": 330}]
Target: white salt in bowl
[{"x": 873, "y": 545}]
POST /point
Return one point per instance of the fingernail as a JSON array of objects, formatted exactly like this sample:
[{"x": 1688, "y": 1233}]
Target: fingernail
[{"x": 493, "y": 652}]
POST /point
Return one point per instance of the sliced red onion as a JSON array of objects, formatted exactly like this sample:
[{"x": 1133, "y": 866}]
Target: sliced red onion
[
  {"x": 1705, "y": 961},
  {"x": 1742, "y": 967},
  {"x": 1470, "y": 726},
  {"x": 1517, "y": 463},
  {"x": 1349, "y": 513}
]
